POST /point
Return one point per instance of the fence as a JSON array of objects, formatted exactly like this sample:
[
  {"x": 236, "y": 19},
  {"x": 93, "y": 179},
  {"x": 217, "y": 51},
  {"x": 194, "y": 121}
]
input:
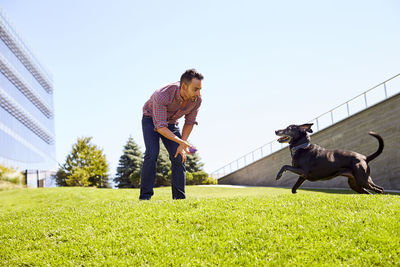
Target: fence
[
  {"x": 361, "y": 102},
  {"x": 37, "y": 178}
]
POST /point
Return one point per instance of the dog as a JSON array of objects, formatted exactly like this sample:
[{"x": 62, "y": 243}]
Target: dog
[{"x": 312, "y": 162}]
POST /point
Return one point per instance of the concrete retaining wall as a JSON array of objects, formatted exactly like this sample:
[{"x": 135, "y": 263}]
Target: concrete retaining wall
[{"x": 349, "y": 134}]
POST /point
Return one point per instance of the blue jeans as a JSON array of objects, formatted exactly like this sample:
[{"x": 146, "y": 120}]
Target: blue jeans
[{"x": 148, "y": 175}]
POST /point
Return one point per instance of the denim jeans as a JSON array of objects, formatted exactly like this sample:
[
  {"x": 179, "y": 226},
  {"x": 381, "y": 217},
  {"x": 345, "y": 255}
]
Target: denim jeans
[{"x": 148, "y": 174}]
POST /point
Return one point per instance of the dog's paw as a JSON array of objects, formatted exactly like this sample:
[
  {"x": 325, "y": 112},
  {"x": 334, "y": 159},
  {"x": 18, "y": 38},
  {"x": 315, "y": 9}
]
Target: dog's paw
[
  {"x": 278, "y": 177},
  {"x": 294, "y": 191}
]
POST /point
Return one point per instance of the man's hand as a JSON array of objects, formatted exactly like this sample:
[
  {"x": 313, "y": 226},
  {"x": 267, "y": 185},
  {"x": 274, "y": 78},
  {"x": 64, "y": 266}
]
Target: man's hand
[
  {"x": 182, "y": 150},
  {"x": 184, "y": 146}
]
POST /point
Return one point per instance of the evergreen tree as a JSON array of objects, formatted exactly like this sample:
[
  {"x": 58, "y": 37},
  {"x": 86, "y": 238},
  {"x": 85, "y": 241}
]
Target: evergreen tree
[
  {"x": 163, "y": 167},
  {"x": 193, "y": 163},
  {"x": 86, "y": 165},
  {"x": 128, "y": 170}
]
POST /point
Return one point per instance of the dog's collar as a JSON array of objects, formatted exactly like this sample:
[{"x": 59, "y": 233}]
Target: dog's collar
[{"x": 294, "y": 149}]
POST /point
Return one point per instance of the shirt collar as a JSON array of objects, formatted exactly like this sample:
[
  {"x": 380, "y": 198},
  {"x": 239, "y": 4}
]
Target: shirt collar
[{"x": 178, "y": 93}]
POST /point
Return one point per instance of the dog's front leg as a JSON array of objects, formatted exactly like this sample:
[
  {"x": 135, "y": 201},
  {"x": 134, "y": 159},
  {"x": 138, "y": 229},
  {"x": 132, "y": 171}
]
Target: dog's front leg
[{"x": 289, "y": 168}]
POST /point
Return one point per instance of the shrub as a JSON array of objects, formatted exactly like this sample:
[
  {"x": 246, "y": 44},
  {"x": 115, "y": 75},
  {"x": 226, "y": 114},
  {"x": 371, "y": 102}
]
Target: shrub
[
  {"x": 192, "y": 178},
  {"x": 11, "y": 175},
  {"x": 198, "y": 178},
  {"x": 210, "y": 180},
  {"x": 189, "y": 178}
]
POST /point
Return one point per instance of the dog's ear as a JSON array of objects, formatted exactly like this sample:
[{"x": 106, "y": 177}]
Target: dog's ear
[{"x": 307, "y": 127}]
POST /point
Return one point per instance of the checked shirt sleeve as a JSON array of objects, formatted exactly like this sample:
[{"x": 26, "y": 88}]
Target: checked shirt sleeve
[
  {"x": 160, "y": 103},
  {"x": 190, "y": 118}
]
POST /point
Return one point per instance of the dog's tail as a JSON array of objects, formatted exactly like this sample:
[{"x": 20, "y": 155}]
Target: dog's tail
[{"x": 380, "y": 149}]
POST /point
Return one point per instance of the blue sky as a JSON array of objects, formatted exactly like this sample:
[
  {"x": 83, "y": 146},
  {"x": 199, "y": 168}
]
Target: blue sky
[{"x": 266, "y": 64}]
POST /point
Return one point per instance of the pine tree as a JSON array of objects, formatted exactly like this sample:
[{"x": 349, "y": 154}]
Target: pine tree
[
  {"x": 86, "y": 165},
  {"x": 128, "y": 170},
  {"x": 193, "y": 163}
]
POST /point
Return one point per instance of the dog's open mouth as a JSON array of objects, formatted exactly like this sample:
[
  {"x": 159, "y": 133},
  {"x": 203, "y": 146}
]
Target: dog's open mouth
[{"x": 284, "y": 139}]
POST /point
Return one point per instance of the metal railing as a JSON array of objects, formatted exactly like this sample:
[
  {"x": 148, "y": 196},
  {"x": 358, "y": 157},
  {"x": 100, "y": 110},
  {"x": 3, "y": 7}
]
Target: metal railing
[{"x": 358, "y": 103}]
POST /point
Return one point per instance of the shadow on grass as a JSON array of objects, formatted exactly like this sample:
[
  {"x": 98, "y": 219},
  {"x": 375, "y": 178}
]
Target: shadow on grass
[
  {"x": 340, "y": 191},
  {"x": 330, "y": 191}
]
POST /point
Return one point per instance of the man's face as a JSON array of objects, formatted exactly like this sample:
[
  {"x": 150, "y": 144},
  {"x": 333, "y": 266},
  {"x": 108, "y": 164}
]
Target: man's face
[{"x": 192, "y": 90}]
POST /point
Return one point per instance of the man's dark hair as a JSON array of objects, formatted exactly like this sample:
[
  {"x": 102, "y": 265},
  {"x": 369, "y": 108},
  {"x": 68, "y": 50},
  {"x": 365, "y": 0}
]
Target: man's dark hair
[{"x": 188, "y": 75}]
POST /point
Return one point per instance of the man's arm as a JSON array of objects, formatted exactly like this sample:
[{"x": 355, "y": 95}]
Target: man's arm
[
  {"x": 187, "y": 129},
  {"x": 164, "y": 131},
  {"x": 184, "y": 146}
]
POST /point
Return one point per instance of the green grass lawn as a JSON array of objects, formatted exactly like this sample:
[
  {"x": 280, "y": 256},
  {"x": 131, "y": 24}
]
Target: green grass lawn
[{"x": 213, "y": 226}]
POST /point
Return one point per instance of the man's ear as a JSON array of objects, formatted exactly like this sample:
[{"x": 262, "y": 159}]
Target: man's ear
[
  {"x": 307, "y": 127},
  {"x": 183, "y": 85}
]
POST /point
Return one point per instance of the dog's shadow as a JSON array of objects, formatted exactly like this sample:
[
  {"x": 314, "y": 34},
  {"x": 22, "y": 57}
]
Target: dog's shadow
[
  {"x": 340, "y": 191},
  {"x": 330, "y": 191}
]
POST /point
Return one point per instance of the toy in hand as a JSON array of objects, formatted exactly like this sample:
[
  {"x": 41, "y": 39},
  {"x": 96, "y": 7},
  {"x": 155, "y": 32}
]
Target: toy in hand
[{"x": 192, "y": 149}]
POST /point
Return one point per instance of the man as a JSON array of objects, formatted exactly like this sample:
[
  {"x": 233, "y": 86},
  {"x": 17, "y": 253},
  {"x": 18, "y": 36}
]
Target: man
[{"x": 160, "y": 120}]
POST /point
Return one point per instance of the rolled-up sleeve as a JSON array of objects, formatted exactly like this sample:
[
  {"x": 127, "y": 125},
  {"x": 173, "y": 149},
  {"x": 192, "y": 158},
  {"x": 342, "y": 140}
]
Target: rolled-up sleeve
[
  {"x": 160, "y": 103},
  {"x": 191, "y": 117}
]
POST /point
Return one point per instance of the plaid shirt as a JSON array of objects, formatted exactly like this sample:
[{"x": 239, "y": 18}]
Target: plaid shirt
[{"x": 164, "y": 106}]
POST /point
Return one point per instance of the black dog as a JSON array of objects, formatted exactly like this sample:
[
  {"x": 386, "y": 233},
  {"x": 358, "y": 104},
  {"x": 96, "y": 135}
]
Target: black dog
[{"x": 314, "y": 163}]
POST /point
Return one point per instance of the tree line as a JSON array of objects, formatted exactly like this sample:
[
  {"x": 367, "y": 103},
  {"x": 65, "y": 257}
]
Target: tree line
[{"x": 86, "y": 165}]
